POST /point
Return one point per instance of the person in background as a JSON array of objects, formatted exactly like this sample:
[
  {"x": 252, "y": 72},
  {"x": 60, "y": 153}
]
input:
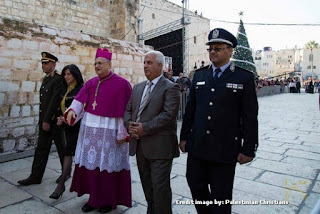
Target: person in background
[
  {"x": 220, "y": 125},
  {"x": 169, "y": 76},
  {"x": 72, "y": 83},
  {"x": 183, "y": 82},
  {"x": 48, "y": 129},
  {"x": 102, "y": 167}
]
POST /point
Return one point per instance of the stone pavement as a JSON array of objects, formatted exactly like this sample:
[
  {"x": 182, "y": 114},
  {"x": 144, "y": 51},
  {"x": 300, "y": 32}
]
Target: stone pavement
[{"x": 286, "y": 170}]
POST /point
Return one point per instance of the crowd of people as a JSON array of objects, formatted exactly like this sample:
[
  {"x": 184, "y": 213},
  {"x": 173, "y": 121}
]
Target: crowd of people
[
  {"x": 103, "y": 121},
  {"x": 290, "y": 85}
]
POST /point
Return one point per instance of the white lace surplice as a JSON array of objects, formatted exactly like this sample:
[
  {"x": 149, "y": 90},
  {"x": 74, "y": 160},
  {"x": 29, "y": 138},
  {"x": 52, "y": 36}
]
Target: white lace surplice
[{"x": 97, "y": 146}]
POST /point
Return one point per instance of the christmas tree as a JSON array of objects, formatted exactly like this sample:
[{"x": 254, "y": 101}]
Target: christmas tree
[{"x": 242, "y": 55}]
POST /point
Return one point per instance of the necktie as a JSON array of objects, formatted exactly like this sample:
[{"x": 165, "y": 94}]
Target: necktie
[
  {"x": 216, "y": 76},
  {"x": 144, "y": 101}
]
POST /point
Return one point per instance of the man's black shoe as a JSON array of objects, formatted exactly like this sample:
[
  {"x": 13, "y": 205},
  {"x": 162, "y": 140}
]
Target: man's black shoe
[
  {"x": 60, "y": 177},
  {"x": 29, "y": 181},
  {"x": 87, "y": 208},
  {"x": 105, "y": 209}
]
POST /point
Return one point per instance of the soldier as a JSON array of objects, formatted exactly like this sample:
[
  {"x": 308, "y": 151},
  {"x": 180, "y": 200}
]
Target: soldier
[
  {"x": 48, "y": 129},
  {"x": 220, "y": 126}
]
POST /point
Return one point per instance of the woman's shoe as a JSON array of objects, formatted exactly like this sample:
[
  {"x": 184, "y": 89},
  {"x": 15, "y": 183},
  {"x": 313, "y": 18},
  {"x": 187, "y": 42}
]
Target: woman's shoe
[
  {"x": 87, "y": 208},
  {"x": 56, "y": 195}
]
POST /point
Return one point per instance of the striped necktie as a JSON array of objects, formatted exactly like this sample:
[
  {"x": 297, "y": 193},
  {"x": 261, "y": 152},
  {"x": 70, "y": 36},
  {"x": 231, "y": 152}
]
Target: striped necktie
[{"x": 144, "y": 101}]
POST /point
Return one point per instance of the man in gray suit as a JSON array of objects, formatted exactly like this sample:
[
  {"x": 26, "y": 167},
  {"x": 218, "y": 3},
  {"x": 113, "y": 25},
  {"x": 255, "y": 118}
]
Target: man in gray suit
[{"x": 150, "y": 118}]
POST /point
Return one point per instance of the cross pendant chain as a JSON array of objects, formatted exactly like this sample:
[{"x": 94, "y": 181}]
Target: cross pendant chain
[{"x": 94, "y": 104}]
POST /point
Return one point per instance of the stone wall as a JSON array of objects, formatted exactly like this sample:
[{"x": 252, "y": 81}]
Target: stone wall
[
  {"x": 20, "y": 72},
  {"x": 90, "y": 16},
  {"x": 123, "y": 19}
]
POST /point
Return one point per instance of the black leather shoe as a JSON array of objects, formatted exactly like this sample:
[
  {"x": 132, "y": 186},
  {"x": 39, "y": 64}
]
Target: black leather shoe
[
  {"x": 105, "y": 209},
  {"x": 87, "y": 208},
  {"x": 60, "y": 177},
  {"x": 29, "y": 181}
]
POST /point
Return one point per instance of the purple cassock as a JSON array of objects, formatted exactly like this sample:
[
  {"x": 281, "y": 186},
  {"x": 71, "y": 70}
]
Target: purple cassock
[{"x": 102, "y": 165}]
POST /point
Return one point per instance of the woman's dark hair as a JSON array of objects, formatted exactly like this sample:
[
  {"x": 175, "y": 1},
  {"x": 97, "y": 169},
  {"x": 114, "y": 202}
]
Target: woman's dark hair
[{"x": 75, "y": 71}]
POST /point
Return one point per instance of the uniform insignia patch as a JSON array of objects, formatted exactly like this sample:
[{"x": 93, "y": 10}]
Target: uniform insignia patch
[
  {"x": 201, "y": 83},
  {"x": 234, "y": 86}
]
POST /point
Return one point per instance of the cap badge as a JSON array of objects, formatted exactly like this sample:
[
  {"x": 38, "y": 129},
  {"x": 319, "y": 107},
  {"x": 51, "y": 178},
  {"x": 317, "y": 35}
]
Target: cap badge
[
  {"x": 43, "y": 54},
  {"x": 215, "y": 34}
]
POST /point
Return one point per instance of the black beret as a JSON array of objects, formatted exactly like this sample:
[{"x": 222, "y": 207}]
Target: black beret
[
  {"x": 219, "y": 35},
  {"x": 46, "y": 57}
]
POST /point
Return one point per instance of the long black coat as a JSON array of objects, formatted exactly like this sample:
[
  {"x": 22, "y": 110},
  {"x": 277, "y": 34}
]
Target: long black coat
[
  {"x": 49, "y": 95},
  {"x": 220, "y": 119}
]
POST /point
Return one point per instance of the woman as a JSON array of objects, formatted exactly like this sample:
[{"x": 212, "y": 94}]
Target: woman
[{"x": 72, "y": 83}]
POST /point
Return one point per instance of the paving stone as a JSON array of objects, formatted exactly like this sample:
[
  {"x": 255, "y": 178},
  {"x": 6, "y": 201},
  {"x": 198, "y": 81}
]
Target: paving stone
[
  {"x": 135, "y": 174},
  {"x": 303, "y": 154},
  {"x": 182, "y": 159},
  {"x": 10, "y": 194},
  {"x": 46, "y": 188},
  {"x": 285, "y": 168},
  {"x": 301, "y": 147},
  {"x": 15, "y": 176},
  {"x": 267, "y": 148},
  {"x": 137, "y": 193},
  {"x": 302, "y": 162},
  {"x": 30, "y": 207},
  {"x": 312, "y": 199},
  {"x": 269, "y": 155},
  {"x": 179, "y": 169},
  {"x": 137, "y": 208},
  {"x": 247, "y": 172},
  {"x": 261, "y": 207},
  {"x": 312, "y": 144},
  {"x": 180, "y": 186},
  {"x": 15, "y": 165},
  {"x": 316, "y": 187},
  {"x": 72, "y": 206},
  {"x": 306, "y": 210},
  {"x": 269, "y": 191},
  {"x": 310, "y": 138},
  {"x": 283, "y": 141},
  {"x": 286, "y": 181}
]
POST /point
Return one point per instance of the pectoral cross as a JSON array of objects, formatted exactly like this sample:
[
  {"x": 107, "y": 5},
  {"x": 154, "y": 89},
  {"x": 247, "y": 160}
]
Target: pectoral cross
[{"x": 94, "y": 104}]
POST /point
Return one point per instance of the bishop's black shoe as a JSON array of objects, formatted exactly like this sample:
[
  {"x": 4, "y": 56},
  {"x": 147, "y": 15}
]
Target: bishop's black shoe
[
  {"x": 105, "y": 209},
  {"x": 87, "y": 208}
]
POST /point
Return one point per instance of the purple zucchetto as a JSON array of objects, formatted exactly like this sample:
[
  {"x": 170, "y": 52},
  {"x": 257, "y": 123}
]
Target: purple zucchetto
[{"x": 105, "y": 53}]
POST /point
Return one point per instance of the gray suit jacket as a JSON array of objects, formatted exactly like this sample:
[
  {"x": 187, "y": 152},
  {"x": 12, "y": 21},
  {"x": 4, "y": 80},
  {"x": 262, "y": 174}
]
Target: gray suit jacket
[{"x": 158, "y": 119}]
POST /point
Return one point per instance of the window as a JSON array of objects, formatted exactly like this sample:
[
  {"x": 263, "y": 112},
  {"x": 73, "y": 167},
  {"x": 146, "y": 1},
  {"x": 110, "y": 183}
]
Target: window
[
  {"x": 195, "y": 40},
  {"x": 153, "y": 16}
]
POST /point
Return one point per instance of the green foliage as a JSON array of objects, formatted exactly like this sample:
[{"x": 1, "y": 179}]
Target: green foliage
[{"x": 242, "y": 55}]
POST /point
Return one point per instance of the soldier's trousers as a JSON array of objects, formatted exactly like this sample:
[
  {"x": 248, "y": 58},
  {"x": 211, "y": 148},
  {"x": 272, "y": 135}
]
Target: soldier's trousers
[{"x": 43, "y": 149}]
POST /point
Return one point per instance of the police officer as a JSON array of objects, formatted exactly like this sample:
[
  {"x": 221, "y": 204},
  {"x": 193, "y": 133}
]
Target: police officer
[
  {"x": 48, "y": 129},
  {"x": 220, "y": 126}
]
